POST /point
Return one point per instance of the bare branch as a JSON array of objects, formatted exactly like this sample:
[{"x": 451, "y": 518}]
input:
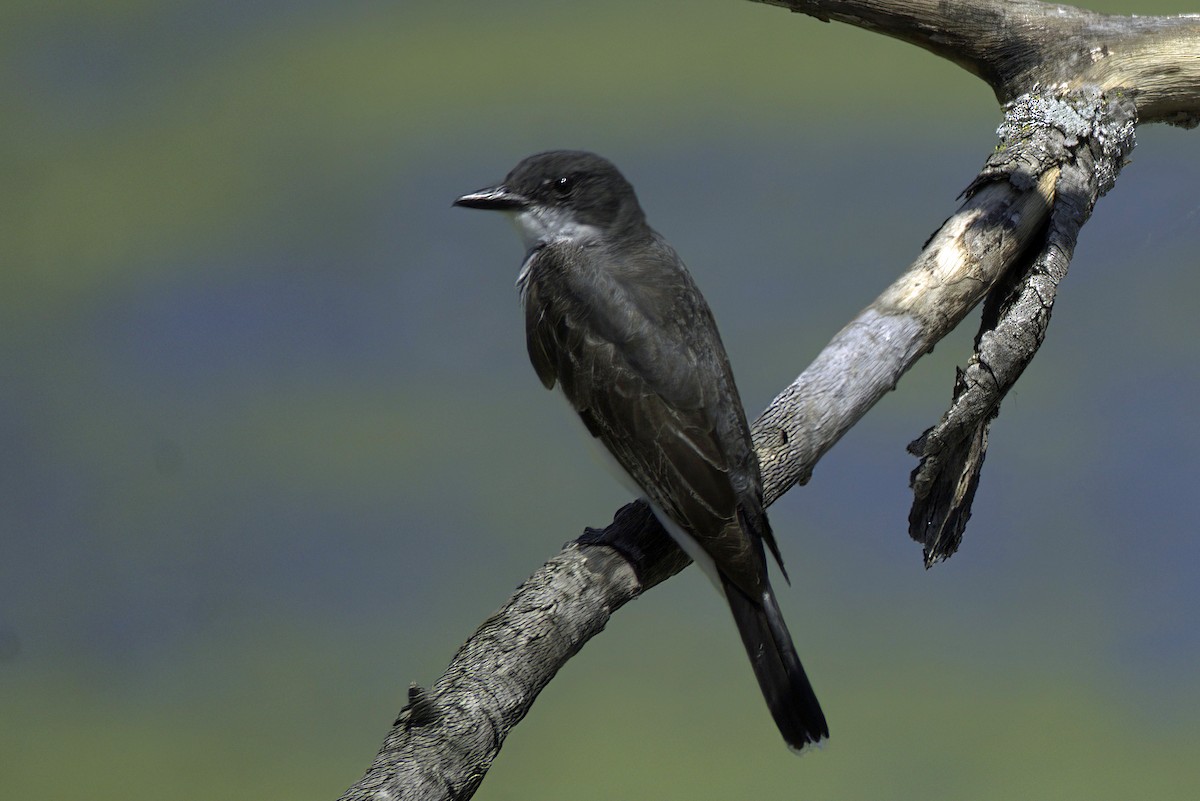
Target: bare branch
[
  {"x": 863, "y": 362},
  {"x": 1086, "y": 139},
  {"x": 1017, "y": 46},
  {"x": 444, "y": 741},
  {"x": 1078, "y": 81}
]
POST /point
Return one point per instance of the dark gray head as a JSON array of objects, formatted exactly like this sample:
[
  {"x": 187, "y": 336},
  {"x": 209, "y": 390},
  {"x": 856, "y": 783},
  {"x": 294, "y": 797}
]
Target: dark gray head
[{"x": 564, "y": 195}]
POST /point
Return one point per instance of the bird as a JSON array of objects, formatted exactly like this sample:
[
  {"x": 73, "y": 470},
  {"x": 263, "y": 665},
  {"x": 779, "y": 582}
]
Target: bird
[{"x": 614, "y": 318}]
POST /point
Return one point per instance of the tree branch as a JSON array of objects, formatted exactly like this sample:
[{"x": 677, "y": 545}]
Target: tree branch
[
  {"x": 1012, "y": 237},
  {"x": 1015, "y": 46},
  {"x": 444, "y": 740},
  {"x": 1086, "y": 138}
]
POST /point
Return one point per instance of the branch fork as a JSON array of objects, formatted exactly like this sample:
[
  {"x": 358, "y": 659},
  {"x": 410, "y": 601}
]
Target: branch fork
[{"x": 1074, "y": 85}]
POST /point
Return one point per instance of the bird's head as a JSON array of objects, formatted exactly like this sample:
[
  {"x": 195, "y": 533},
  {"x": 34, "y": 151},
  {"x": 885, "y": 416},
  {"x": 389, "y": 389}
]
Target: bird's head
[{"x": 562, "y": 196}]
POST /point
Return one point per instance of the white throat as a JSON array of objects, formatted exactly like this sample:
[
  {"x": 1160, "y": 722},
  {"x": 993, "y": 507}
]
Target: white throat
[{"x": 539, "y": 225}]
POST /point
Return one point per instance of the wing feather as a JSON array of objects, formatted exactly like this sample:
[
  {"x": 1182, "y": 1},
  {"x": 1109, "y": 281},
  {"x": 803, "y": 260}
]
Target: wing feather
[{"x": 652, "y": 383}]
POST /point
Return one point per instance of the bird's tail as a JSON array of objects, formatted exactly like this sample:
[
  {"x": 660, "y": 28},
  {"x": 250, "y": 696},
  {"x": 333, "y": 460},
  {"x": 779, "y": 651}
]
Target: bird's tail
[{"x": 784, "y": 684}]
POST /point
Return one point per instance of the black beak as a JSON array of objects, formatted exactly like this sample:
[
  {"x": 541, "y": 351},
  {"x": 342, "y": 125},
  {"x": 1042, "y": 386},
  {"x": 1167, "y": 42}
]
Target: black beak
[{"x": 499, "y": 198}]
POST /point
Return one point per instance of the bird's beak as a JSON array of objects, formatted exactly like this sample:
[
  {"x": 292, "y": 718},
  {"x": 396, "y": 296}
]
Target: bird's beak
[{"x": 499, "y": 198}]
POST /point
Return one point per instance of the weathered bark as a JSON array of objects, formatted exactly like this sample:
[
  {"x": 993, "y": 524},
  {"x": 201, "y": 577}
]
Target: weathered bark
[
  {"x": 445, "y": 739},
  {"x": 1017, "y": 46},
  {"x": 1082, "y": 139},
  {"x": 1075, "y": 84}
]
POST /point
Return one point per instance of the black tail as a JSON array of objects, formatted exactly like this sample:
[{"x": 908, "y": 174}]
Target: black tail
[{"x": 784, "y": 684}]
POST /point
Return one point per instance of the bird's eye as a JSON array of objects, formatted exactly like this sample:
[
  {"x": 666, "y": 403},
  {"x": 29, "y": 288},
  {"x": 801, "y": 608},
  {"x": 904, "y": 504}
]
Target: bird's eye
[{"x": 564, "y": 185}]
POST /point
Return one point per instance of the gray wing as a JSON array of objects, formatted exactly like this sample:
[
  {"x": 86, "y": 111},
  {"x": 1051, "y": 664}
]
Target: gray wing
[{"x": 640, "y": 360}]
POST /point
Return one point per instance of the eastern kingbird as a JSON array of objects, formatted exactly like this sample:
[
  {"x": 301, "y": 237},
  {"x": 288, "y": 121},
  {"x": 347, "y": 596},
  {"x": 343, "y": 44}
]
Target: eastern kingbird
[{"x": 614, "y": 318}]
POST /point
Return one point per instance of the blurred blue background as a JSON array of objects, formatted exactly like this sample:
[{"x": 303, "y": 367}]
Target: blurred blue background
[{"x": 270, "y": 447}]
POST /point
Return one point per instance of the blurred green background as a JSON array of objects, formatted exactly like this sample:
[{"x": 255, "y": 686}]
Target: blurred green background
[{"x": 270, "y": 447}]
